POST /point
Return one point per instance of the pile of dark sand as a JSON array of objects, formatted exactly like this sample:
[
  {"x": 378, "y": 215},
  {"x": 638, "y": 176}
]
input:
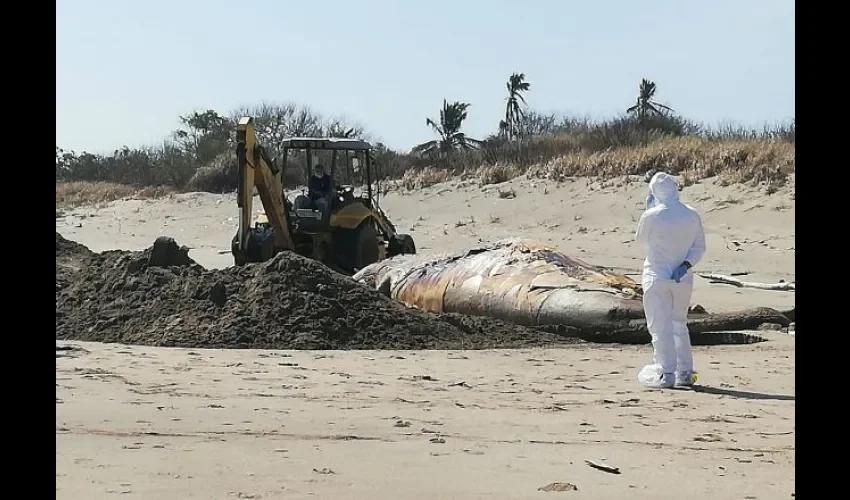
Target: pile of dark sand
[{"x": 289, "y": 302}]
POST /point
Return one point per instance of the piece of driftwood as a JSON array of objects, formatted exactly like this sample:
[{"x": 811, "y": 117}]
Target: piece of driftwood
[
  {"x": 747, "y": 319},
  {"x": 708, "y": 329},
  {"x": 728, "y": 280},
  {"x": 603, "y": 466}
]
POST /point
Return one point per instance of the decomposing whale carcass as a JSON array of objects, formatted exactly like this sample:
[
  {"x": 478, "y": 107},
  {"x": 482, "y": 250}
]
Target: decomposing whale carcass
[
  {"x": 524, "y": 282},
  {"x": 534, "y": 284}
]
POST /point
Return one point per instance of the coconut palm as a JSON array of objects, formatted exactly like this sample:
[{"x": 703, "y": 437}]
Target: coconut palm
[
  {"x": 451, "y": 138},
  {"x": 510, "y": 126},
  {"x": 645, "y": 104}
]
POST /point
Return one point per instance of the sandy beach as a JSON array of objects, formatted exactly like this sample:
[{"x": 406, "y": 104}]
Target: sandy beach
[{"x": 146, "y": 422}]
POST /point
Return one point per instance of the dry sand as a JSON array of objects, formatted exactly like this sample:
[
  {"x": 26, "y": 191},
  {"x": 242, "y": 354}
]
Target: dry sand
[{"x": 169, "y": 423}]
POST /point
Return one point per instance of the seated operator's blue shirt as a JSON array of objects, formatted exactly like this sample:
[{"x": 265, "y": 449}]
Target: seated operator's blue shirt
[{"x": 319, "y": 186}]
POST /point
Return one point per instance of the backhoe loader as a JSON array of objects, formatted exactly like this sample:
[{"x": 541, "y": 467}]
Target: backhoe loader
[{"x": 346, "y": 232}]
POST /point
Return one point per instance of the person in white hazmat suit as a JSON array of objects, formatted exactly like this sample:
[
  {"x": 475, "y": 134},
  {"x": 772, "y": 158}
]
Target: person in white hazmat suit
[{"x": 674, "y": 240}]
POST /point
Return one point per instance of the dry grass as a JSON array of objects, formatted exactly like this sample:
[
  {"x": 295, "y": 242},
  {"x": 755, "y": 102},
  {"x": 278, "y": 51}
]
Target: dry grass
[
  {"x": 497, "y": 174},
  {"x": 218, "y": 176},
  {"x": 422, "y": 178},
  {"x": 77, "y": 193},
  {"x": 745, "y": 161},
  {"x": 603, "y": 153},
  {"x": 694, "y": 158}
]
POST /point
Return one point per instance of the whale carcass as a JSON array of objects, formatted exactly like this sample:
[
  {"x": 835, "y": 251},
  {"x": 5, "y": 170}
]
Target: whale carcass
[
  {"x": 533, "y": 284},
  {"x": 524, "y": 282}
]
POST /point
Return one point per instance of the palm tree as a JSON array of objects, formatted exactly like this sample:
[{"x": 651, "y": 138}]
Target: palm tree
[
  {"x": 451, "y": 138},
  {"x": 645, "y": 104},
  {"x": 516, "y": 85}
]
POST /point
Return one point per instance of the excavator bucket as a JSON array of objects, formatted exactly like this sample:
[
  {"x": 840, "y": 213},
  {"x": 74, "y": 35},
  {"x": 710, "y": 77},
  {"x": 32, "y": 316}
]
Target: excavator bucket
[{"x": 522, "y": 282}]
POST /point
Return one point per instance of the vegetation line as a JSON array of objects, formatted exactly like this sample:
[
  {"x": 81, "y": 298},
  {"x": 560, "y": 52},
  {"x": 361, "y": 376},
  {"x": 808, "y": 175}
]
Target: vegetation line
[{"x": 648, "y": 135}]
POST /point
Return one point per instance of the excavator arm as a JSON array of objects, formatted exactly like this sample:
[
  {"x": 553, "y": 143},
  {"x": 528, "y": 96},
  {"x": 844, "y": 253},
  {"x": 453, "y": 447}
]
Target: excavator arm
[{"x": 257, "y": 170}]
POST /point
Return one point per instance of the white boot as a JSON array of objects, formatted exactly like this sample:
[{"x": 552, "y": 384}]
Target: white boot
[{"x": 651, "y": 376}]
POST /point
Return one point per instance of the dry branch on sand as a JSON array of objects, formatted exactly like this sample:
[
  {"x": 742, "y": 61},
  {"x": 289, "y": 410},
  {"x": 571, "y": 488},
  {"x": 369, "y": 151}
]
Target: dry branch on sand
[
  {"x": 704, "y": 329},
  {"x": 782, "y": 286}
]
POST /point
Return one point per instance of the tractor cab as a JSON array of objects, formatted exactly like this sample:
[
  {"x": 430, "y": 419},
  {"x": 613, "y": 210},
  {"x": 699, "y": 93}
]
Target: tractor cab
[{"x": 331, "y": 168}]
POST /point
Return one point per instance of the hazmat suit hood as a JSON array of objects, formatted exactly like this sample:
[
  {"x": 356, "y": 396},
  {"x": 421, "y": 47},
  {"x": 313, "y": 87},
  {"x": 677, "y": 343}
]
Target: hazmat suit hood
[{"x": 664, "y": 189}]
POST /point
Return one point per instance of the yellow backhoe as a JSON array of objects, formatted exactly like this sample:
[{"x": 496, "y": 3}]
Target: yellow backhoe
[{"x": 345, "y": 231}]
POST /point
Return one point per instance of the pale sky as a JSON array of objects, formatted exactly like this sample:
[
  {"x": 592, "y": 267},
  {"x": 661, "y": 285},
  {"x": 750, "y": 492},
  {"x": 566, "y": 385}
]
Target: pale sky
[{"x": 125, "y": 70}]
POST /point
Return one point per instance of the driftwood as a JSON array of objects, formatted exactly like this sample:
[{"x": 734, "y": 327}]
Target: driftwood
[
  {"x": 603, "y": 466},
  {"x": 728, "y": 280},
  {"x": 710, "y": 329},
  {"x": 748, "y": 319}
]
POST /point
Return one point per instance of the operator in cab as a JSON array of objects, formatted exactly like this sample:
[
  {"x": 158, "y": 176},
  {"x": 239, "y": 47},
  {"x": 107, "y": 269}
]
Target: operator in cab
[
  {"x": 318, "y": 189},
  {"x": 319, "y": 185}
]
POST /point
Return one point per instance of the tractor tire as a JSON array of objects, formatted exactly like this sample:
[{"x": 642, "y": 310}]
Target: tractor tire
[
  {"x": 408, "y": 247},
  {"x": 401, "y": 244},
  {"x": 367, "y": 245}
]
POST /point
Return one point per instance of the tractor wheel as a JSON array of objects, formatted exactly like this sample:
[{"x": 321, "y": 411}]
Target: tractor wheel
[
  {"x": 401, "y": 244},
  {"x": 367, "y": 245},
  {"x": 406, "y": 243}
]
